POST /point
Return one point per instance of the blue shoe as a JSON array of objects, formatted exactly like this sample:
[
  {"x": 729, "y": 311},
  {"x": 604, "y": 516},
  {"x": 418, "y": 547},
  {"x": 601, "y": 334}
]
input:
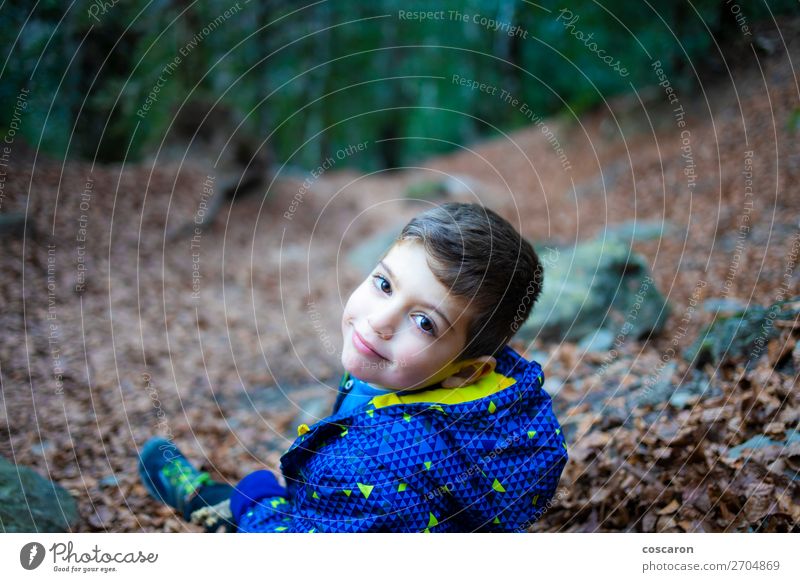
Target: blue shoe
[{"x": 169, "y": 476}]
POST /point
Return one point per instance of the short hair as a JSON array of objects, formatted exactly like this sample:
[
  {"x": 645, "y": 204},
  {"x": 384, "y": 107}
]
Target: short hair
[{"x": 481, "y": 258}]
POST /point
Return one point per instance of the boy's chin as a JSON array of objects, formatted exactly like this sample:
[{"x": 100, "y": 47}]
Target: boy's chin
[
  {"x": 356, "y": 365},
  {"x": 365, "y": 370},
  {"x": 348, "y": 363}
]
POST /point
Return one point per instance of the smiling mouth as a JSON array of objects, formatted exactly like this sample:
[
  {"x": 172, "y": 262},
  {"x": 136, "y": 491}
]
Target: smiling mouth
[{"x": 364, "y": 347}]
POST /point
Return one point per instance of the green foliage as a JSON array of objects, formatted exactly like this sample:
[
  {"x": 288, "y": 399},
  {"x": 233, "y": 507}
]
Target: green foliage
[{"x": 313, "y": 78}]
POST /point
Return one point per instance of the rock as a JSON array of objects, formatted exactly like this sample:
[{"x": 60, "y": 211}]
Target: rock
[
  {"x": 796, "y": 356},
  {"x": 699, "y": 385},
  {"x": 553, "y": 385},
  {"x": 13, "y": 224},
  {"x": 600, "y": 284},
  {"x": 724, "y": 305},
  {"x": 43, "y": 448},
  {"x": 599, "y": 341},
  {"x": 365, "y": 255},
  {"x": 606, "y": 181},
  {"x": 312, "y": 411},
  {"x": 640, "y": 230},
  {"x": 31, "y": 503},
  {"x": 540, "y": 358},
  {"x": 658, "y": 388},
  {"x": 109, "y": 481},
  {"x": 744, "y": 334},
  {"x": 761, "y": 441}
]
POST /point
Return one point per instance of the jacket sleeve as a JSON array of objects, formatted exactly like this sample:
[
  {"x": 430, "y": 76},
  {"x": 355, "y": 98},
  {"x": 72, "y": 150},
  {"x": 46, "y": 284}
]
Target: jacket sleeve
[
  {"x": 270, "y": 515},
  {"x": 277, "y": 514},
  {"x": 349, "y": 495},
  {"x": 510, "y": 481},
  {"x": 256, "y": 497}
]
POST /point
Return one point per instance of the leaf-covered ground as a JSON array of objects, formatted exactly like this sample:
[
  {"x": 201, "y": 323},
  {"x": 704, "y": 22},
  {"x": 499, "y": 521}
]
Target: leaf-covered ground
[{"x": 113, "y": 331}]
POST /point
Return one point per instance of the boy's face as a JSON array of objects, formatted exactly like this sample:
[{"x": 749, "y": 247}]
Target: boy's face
[{"x": 401, "y": 327}]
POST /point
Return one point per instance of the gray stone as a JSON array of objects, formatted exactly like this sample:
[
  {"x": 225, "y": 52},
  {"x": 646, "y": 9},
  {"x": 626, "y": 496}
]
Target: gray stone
[
  {"x": 14, "y": 224},
  {"x": 599, "y": 341},
  {"x": 109, "y": 481},
  {"x": 681, "y": 398},
  {"x": 741, "y": 336},
  {"x": 536, "y": 356},
  {"x": 604, "y": 182},
  {"x": 43, "y": 448},
  {"x": 640, "y": 230},
  {"x": 597, "y": 284},
  {"x": 31, "y": 503},
  {"x": 312, "y": 410},
  {"x": 553, "y": 385},
  {"x": 698, "y": 385},
  {"x": 724, "y": 305},
  {"x": 759, "y": 442},
  {"x": 366, "y": 254},
  {"x": 659, "y": 388}
]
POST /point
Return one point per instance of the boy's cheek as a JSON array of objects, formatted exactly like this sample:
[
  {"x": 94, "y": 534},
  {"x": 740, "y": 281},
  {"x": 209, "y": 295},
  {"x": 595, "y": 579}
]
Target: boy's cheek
[
  {"x": 350, "y": 360},
  {"x": 357, "y": 297},
  {"x": 415, "y": 356},
  {"x": 348, "y": 307}
]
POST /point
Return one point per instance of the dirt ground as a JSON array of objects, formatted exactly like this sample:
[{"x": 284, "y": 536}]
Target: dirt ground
[{"x": 113, "y": 331}]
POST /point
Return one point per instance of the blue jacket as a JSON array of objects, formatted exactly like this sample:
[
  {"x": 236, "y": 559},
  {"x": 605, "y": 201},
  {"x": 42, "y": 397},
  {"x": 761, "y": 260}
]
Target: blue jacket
[{"x": 486, "y": 457}]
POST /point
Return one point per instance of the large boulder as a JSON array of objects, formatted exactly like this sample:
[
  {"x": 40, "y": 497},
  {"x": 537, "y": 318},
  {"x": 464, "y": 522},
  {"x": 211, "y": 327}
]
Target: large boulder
[
  {"x": 368, "y": 252},
  {"x": 640, "y": 230},
  {"x": 599, "y": 284},
  {"x": 742, "y": 334},
  {"x": 31, "y": 503}
]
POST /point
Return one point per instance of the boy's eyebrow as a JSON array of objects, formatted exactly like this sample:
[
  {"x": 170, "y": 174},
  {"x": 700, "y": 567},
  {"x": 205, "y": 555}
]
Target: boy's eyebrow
[{"x": 426, "y": 305}]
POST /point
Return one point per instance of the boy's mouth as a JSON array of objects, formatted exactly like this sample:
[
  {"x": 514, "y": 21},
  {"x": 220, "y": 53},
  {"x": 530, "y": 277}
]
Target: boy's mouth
[{"x": 364, "y": 347}]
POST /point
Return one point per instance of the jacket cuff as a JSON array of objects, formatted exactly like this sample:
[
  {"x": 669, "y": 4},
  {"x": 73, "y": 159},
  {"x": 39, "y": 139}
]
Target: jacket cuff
[{"x": 252, "y": 489}]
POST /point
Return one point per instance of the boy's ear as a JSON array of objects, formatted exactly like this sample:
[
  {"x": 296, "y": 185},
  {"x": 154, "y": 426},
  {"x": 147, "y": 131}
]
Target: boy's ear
[{"x": 470, "y": 371}]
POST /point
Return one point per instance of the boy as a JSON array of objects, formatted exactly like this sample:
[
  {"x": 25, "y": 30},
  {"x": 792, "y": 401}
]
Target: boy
[{"x": 438, "y": 426}]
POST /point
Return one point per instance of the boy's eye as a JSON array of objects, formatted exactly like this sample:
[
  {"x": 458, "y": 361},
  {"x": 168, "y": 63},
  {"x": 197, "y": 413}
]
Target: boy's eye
[
  {"x": 425, "y": 323},
  {"x": 381, "y": 283}
]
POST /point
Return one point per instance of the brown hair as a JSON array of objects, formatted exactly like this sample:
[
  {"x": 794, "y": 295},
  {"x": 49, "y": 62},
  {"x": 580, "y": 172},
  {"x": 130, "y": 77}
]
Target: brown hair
[{"x": 481, "y": 258}]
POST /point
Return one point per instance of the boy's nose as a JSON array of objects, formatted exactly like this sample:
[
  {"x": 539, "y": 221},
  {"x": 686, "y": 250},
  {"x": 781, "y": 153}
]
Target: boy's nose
[{"x": 382, "y": 324}]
